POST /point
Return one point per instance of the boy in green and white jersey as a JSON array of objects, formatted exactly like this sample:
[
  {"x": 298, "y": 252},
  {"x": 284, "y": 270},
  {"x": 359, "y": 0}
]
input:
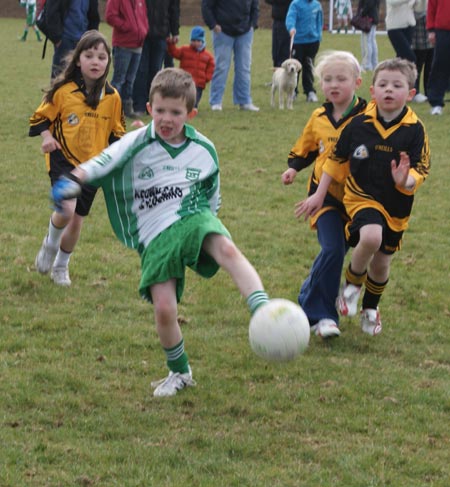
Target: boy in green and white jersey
[{"x": 162, "y": 190}]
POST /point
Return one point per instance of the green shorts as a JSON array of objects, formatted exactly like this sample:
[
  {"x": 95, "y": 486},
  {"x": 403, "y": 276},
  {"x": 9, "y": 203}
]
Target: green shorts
[{"x": 178, "y": 247}]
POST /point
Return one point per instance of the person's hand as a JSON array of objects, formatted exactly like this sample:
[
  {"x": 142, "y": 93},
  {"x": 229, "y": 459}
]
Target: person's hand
[
  {"x": 308, "y": 207},
  {"x": 432, "y": 37},
  {"x": 288, "y": 176},
  {"x": 292, "y": 32},
  {"x": 400, "y": 171},
  {"x": 65, "y": 188},
  {"x": 217, "y": 29},
  {"x": 49, "y": 144}
]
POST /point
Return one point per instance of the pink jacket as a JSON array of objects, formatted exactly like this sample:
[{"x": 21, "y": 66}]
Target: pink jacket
[{"x": 128, "y": 18}]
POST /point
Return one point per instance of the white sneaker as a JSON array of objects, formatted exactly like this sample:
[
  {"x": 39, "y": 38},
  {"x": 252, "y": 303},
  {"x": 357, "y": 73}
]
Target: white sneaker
[
  {"x": 216, "y": 108},
  {"x": 326, "y": 328},
  {"x": 312, "y": 97},
  {"x": 60, "y": 276},
  {"x": 249, "y": 107},
  {"x": 370, "y": 321},
  {"x": 347, "y": 301},
  {"x": 437, "y": 110},
  {"x": 173, "y": 383},
  {"x": 420, "y": 98},
  {"x": 45, "y": 257}
]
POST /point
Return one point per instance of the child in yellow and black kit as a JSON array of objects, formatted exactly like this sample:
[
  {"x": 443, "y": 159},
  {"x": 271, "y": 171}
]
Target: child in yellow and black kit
[{"x": 386, "y": 155}]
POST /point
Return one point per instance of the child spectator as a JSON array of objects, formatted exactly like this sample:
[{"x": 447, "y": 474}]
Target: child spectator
[
  {"x": 340, "y": 75},
  {"x": 80, "y": 115},
  {"x": 30, "y": 6},
  {"x": 167, "y": 177},
  {"x": 195, "y": 59},
  {"x": 343, "y": 14},
  {"x": 128, "y": 19},
  {"x": 304, "y": 22},
  {"x": 385, "y": 156}
]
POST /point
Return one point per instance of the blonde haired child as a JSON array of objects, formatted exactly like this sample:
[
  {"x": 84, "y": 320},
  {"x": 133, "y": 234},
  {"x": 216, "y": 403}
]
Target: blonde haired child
[{"x": 339, "y": 75}]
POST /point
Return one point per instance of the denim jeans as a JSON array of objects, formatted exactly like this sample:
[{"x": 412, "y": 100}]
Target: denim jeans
[
  {"x": 369, "y": 49},
  {"x": 65, "y": 46},
  {"x": 152, "y": 58},
  {"x": 126, "y": 63},
  {"x": 241, "y": 48},
  {"x": 440, "y": 69}
]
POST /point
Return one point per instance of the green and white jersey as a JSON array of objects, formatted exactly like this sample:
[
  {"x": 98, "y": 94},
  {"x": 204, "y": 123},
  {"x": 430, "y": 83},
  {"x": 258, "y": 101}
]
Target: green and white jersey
[{"x": 149, "y": 185}]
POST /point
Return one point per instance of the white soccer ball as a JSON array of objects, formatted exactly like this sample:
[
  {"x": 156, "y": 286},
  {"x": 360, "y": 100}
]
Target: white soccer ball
[{"x": 279, "y": 331}]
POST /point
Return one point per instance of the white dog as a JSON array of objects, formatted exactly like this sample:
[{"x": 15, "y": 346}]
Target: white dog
[{"x": 284, "y": 80}]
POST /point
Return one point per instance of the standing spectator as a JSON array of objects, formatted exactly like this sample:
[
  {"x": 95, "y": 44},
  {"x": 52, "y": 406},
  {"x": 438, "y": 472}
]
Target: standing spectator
[
  {"x": 30, "y": 6},
  {"x": 128, "y": 18},
  {"x": 423, "y": 49},
  {"x": 195, "y": 59},
  {"x": 232, "y": 23},
  {"x": 369, "y": 47},
  {"x": 164, "y": 22},
  {"x": 304, "y": 21},
  {"x": 280, "y": 35},
  {"x": 343, "y": 14},
  {"x": 68, "y": 20},
  {"x": 438, "y": 26}
]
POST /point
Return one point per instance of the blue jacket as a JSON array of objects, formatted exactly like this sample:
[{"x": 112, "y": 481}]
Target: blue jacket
[
  {"x": 235, "y": 17},
  {"x": 306, "y": 17}
]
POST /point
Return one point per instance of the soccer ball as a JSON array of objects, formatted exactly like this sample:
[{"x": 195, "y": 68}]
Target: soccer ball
[{"x": 279, "y": 331}]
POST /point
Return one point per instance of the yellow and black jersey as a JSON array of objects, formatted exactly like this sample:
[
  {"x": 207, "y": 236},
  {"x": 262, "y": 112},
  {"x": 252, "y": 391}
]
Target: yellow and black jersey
[
  {"x": 83, "y": 132},
  {"x": 362, "y": 158},
  {"x": 315, "y": 145}
]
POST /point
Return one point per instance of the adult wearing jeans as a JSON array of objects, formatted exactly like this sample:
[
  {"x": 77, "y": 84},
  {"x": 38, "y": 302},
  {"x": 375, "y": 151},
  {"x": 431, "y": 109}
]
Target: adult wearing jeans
[
  {"x": 68, "y": 20},
  {"x": 280, "y": 35},
  {"x": 369, "y": 47},
  {"x": 232, "y": 23},
  {"x": 128, "y": 18},
  {"x": 164, "y": 22},
  {"x": 438, "y": 26}
]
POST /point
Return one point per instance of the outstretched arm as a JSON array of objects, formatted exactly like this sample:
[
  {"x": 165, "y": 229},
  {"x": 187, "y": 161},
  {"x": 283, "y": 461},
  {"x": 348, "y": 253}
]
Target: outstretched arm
[{"x": 313, "y": 203}]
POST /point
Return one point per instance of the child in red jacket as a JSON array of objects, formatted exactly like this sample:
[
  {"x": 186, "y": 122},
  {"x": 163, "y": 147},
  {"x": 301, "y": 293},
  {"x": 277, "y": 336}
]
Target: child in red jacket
[{"x": 195, "y": 59}]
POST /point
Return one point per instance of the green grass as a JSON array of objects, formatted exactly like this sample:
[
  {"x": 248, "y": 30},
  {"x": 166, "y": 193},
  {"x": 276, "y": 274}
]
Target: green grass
[{"x": 76, "y": 406}]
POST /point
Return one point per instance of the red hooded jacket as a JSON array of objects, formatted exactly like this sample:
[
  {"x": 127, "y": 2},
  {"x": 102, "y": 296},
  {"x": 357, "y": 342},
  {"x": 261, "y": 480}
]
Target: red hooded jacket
[
  {"x": 438, "y": 15},
  {"x": 128, "y": 18},
  {"x": 200, "y": 64}
]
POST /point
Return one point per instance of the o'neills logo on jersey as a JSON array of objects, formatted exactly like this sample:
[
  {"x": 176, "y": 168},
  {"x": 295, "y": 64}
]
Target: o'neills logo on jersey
[
  {"x": 192, "y": 174},
  {"x": 151, "y": 197},
  {"x": 361, "y": 152}
]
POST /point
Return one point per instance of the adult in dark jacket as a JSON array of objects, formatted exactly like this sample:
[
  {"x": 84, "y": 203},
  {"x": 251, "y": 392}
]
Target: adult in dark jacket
[
  {"x": 232, "y": 23},
  {"x": 68, "y": 20},
  {"x": 129, "y": 21},
  {"x": 280, "y": 35},
  {"x": 164, "y": 22}
]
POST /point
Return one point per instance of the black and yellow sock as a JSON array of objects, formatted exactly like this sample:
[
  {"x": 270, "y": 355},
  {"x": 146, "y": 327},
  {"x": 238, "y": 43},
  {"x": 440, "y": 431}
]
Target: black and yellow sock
[
  {"x": 353, "y": 278},
  {"x": 177, "y": 359},
  {"x": 373, "y": 293}
]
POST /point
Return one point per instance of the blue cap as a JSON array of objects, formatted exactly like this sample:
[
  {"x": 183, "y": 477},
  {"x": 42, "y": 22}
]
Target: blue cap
[{"x": 198, "y": 34}]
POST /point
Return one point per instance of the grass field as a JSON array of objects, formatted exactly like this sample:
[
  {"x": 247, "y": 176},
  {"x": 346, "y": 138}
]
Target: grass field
[{"x": 76, "y": 407}]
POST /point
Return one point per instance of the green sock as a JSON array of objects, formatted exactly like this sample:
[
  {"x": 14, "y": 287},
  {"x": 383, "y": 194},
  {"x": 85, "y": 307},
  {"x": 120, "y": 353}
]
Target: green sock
[
  {"x": 256, "y": 299},
  {"x": 177, "y": 359}
]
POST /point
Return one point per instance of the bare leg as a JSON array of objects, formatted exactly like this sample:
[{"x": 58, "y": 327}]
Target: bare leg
[
  {"x": 231, "y": 259},
  {"x": 166, "y": 310},
  {"x": 370, "y": 238}
]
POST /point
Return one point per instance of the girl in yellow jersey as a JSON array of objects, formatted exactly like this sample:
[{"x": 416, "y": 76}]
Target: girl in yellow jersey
[
  {"x": 340, "y": 75},
  {"x": 80, "y": 115}
]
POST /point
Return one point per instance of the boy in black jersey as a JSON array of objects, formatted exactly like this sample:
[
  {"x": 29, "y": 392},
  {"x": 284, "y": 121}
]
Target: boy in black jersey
[{"x": 386, "y": 153}]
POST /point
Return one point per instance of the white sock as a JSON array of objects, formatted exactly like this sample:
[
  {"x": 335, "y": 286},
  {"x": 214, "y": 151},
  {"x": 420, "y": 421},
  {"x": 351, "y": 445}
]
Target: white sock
[
  {"x": 54, "y": 235},
  {"x": 62, "y": 259}
]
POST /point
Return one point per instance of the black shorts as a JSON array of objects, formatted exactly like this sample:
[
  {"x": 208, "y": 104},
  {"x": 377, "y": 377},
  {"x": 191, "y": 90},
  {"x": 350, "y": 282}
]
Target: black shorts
[
  {"x": 62, "y": 167},
  {"x": 391, "y": 241}
]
